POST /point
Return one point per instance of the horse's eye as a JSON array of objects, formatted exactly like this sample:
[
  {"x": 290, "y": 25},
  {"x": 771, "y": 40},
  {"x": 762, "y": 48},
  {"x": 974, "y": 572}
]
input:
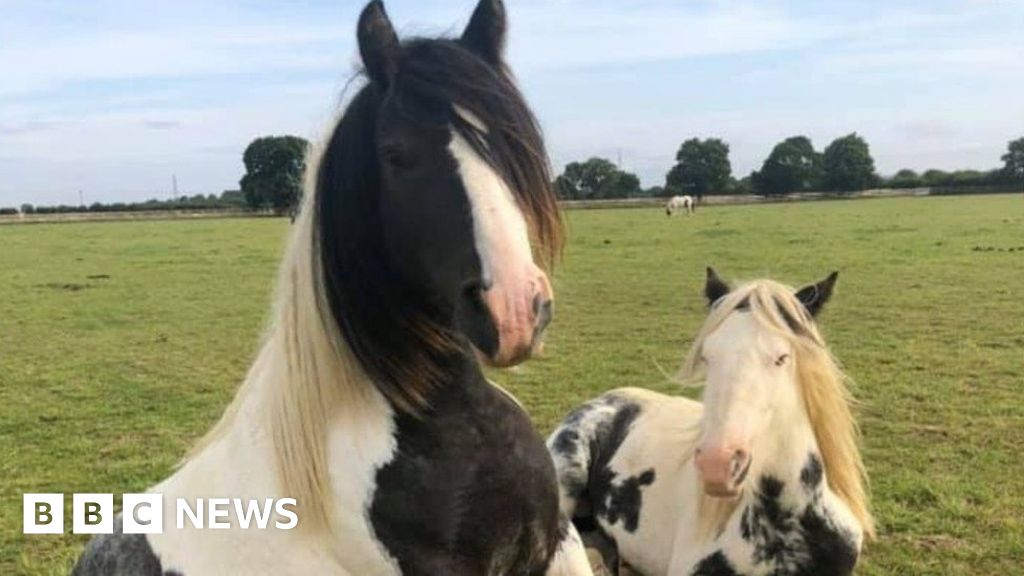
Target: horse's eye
[
  {"x": 394, "y": 157},
  {"x": 781, "y": 359}
]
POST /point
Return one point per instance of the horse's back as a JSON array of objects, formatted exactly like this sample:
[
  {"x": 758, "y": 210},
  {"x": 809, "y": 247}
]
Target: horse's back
[
  {"x": 618, "y": 433},
  {"x": 621, "y": 461}
]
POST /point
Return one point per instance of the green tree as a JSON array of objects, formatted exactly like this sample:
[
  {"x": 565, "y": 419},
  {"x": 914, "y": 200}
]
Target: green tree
[
  {"x": 1013, "y": 160},
  {"x": 584, "y": 180},
  {"x": 744, "y": 185},
  {"x": 906, "y": 178},
  {"x": 848, "y": 164},
  {"x": 28, "y": 209},
  {"x": 702, "y": 167},
  {"x": 969, "y": 178},
  {"x": 232, "y": 197},
  {"x": 936, "y": 178},
  {"x": 594, "y": 179},
  {"x": 623, "y": 185},
  {"x": 792, "y": 166},
  {"x": 273, "y": 173}
]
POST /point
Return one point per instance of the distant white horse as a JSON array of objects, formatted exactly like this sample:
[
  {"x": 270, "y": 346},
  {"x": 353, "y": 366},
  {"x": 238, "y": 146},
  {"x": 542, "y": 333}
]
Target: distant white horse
[
  {"x": 764, "y": 477},
  {"x": 686, "y": 203}
]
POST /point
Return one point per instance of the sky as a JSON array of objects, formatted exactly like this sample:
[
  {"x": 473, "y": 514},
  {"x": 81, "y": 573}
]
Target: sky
[{"x": 113, "y": 98}]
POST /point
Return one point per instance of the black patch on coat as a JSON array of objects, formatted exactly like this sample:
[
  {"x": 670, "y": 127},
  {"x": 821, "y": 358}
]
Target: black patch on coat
[
  {"x": 472, "y": 488},
  {"x": 569, "y": 444},
  {"x": 611, "y": 502},
  {"x": 769, "y": 525},
  {"x": 715, "y": 565},
  {"x": 831, "y": 549},
  {"x": 803, "y": 542},
  {"x": 625, "y": 499},
  {"x": 566, "y": 443},
  {"x": 602, "y": 494},
  {"x": 119, "y": 554},
  {"x": 812, "y": 473}
]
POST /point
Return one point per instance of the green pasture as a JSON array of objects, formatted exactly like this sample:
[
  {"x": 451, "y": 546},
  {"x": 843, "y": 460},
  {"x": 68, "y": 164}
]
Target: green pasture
[{"x": 121, "y": 343}]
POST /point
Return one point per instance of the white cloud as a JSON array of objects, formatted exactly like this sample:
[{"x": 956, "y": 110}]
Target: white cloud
[
  {"x": 115, "y": 95},
  {"x": 579, "y": 34},
  {"x": 32, "y": 67}
]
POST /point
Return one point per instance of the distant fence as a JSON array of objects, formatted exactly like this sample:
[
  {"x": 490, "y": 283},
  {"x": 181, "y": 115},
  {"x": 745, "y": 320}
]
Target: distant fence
[
  {"x": 988, "y": 189},
  {"x": 740, "y": 199},
  {"x": 127, "y": 216},
  {"x": 715, "y": 200}
]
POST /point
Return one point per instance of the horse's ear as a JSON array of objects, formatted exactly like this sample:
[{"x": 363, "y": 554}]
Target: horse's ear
[
  {"x": 378, "y": 43},
  {"x": 715, "y": 287},
  {"x": 815, "y": 296},
  {"x": 485, "y": 33}
]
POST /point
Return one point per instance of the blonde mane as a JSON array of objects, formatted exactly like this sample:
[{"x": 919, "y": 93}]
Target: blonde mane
[
  {"x": 303, "y": 348},
  {"x": 823, "y": 388}
]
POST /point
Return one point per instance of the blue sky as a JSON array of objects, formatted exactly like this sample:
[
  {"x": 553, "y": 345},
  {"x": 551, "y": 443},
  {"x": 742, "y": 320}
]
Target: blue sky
[{"x": 113, "y": 97}]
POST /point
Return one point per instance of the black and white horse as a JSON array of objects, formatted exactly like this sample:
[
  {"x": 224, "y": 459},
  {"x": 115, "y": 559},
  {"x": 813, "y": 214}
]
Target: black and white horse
[
  {"x": 762, "y": 478},
  {"x": 410, "y": 259}
]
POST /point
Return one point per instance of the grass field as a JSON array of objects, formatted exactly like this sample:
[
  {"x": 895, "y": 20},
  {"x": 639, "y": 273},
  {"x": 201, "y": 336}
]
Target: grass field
[{"x": 120, "y": 343}]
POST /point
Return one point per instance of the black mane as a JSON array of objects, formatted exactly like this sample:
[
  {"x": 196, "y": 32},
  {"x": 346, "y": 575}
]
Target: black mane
[{"x": 403, "y": 341}]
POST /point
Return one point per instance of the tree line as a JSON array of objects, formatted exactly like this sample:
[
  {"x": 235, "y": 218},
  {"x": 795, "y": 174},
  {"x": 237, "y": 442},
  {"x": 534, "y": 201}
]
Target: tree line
[
  {"x": 229, "y": 199},
  {"x": 702, "y": 167},
  {"x": 274, "y": 167}
]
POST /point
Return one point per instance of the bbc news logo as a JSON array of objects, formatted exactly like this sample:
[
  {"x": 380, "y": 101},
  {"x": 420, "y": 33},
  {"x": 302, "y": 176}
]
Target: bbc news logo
[{"x": 143, "y": 513}]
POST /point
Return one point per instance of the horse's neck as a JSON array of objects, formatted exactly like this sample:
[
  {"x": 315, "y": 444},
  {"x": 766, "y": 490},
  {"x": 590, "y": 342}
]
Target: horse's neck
[
  {"x": 788, "y": 502},
  {"x": 360, "y": 414},
  {"x": 465, "y": 378},
  {"x": 783, "y": 451},
  {"x": 776, "y": 481}
]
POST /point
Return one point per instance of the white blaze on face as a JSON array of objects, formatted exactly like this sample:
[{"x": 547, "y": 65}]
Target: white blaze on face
[
  {"x": 498, "y": 225},
  {"x": 744, "y": 386},
  {"x": 743, "y": 381},
  {"x": 511, "y": 279}
]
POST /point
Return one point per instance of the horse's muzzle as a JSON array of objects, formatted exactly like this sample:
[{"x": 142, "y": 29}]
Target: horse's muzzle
[
  {"x": 722, "y": 470},
  {"x": 521, "y": 309}
]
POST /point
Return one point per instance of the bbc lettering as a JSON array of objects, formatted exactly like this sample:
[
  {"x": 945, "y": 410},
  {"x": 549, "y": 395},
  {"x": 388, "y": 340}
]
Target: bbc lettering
[{"x": 143, "y": 513}]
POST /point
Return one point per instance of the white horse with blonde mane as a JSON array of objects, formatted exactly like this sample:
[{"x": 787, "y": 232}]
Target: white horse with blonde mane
[
  {"x": 686, "y": 203},
  {"x": 763, "y": 478}
]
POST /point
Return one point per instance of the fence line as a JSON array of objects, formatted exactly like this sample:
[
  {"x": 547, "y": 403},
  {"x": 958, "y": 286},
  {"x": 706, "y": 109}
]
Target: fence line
[
  {"x": 129, "y": 216},
  {"x": 716, "y": 200},
  {"x": 741, "y": 199}
]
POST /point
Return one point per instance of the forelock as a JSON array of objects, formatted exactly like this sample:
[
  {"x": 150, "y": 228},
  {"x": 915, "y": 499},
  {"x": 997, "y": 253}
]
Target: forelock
[{"x": 490, "y": 113}]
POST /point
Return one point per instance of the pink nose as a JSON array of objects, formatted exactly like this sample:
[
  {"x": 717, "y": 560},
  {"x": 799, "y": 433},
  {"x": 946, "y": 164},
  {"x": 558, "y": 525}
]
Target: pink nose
[
  {"x": 722, "y": 469},
  {"x": 521, "y": 307}
]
